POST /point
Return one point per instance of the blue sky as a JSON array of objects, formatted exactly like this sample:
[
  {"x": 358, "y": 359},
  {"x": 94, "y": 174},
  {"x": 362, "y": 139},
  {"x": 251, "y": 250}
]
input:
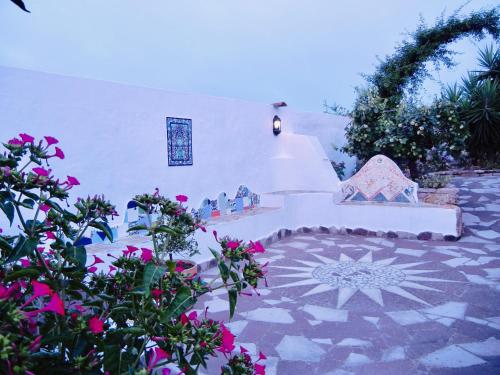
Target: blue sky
[{"x": 302, "y": 52}]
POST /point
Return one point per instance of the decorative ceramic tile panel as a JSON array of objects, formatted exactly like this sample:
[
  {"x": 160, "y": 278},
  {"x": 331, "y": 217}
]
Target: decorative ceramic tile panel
[
  {"x": 179, "y": 138},
  {"x": 380, "y": 180}
]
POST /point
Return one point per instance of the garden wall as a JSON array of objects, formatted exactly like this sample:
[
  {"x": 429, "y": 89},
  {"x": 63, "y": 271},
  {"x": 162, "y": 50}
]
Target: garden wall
[{"x": 115, "y": 138}]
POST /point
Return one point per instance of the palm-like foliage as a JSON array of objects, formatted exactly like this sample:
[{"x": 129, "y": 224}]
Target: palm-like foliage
[{"x": 479, "y": 100}]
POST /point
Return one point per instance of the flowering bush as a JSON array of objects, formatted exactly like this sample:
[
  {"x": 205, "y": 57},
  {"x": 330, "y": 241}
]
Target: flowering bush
[
  {"x": 57, "y": 313},
  {"x": 408, "y": 133}
]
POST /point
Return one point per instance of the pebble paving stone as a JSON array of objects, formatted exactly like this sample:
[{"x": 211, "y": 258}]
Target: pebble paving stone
[{"x": 348, "y": 304}]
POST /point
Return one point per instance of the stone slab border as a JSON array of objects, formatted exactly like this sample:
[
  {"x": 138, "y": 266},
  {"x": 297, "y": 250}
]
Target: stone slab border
[{"x": 468, "y": 172}]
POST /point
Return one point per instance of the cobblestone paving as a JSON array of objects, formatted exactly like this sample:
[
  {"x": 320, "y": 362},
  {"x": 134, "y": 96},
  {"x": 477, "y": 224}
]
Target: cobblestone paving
[{"x": 358, "y": 305}]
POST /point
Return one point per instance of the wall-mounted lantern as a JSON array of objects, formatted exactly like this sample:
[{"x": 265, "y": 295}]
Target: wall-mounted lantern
[{"x": 276, "y": 125}]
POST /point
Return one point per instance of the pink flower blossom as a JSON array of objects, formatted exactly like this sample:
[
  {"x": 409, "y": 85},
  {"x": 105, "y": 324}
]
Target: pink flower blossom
[
  {"x": 97, "y": 260},
  {"x": 72, "y": 181},
  {"x": 156, "y": 355},
  {"x": 26, "y": 138},
  {"x": 92, "y": 269},
  {"x": 255, "y": 247},
  {"x": 243, "y": 350},
  {"x": 146, "y": 255},
  {"x": 156, "y": 293},
  {"x": 50, "y": 236},
  {"x": 227, "y": 345},
  {"x": 40, "y": 289},
  {"x": 25, "y": 263},
  {"x": 130, "y": 250},
  {"x": 44, "y": 207},
  {"x": 111, "y": 269},
  {"x": 165, "y": 371},
  {"x": 59, "y": 153},
  {"x": 96, "y": 325},
  {"x": 55, "y": 305},
  {"x": 184, "y": 319},
  {"x": 215, "y": 235},
  {"x": 262, "y": 356},
  {"x": 41, "y": 171},
  {"x": 259, "y": 369},
  {"x": 35, "y": 344},
  {"x": 233, "y": 245},
  {"x": 15, "y": 142},
  {"x": 181, "y": 198},
  {"x": 51, "y": 140}
]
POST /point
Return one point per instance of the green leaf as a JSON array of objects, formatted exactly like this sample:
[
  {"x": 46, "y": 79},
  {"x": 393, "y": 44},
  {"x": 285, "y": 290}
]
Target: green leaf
[
  {"x": 31, "y": 195},
  {"x": 224, "y": 270},
  {"x": 152, "y": 273},
  {"x": 182, "y": 301},
  {"x": 4, "y": 245},
  {"x": 233, "y": 296},
  {"x": 77, "y": 254},
  {"x": 24, "y": 246},
  {"x": 28, "y": 203},
  {"x": 165, "y": 229},
  {"x": 8, "y": 209},
  {"x": 112, "y": 358},
  {"x": 54, "y": 205},
  {"x": 104, "y": 227},
  {"x": 137, "y": 227},
  {"x": 25, "y": 272}
]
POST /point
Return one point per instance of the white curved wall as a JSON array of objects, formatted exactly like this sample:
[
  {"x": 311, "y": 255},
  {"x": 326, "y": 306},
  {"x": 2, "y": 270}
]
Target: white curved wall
[{"x": 114, "y": 137}]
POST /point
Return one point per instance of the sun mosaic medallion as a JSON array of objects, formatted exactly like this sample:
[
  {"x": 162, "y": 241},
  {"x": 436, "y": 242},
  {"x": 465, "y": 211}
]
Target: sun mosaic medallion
[{"x": 364, "y": 275}]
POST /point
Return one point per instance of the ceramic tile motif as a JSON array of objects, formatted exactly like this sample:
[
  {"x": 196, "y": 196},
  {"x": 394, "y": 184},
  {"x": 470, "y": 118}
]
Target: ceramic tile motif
[
  {"x": 244, "y": 199},
  {"x": 179, "y": 140},
  {"x": 380, "y": 180}
]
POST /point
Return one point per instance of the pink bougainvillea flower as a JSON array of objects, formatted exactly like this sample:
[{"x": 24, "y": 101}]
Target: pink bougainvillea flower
[
  {"x": 72, "y": 181},
  {"x": 130, "y": 250},
  {"x": 97, "y": 260},
  {"x": 184, "y": 319},
  {"x": 59, "y": 153},
  {"x": 165, "y": 371},
  {"x": 44, "y": 207},
  {"x": 255, "y": 247},
  {"x": 193, "y": 316},
  {"x": 25, "y": 263},
  {"x": 262, "y": 356},
  {"x": 50, "y": 236},
  {"x": 146, "y": 255},
  {"x": 51, "y": 140},
  {"x": 243, "y": 350},
  {"x": 111, "y": 269},
  {"x": 156, "y": 355},
  {"x": 26, "y": 138},
  {"x": 156, "y": 293},
  {"x": 40, "y": 289},
  {"x": 96, "y": 325},
  {"x": 215, "y": 235},
  {"x": 35, "y": 344},
  {"x": 15, "y": 142},
  {"x": 259, "y": 369},
  {"x": 55, "y": 305},
  {"x": 233, "y": 245},
  {"x": 41, "y": 171},
  {"x": 181, "y": 198},
  {"x": 92, "y": 269},
  {"x": 227, "y": 345}
]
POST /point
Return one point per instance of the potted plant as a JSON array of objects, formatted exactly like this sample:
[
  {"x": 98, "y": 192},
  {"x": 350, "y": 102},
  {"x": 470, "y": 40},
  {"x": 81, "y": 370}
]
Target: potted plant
[{"x": 172, "y": 230}]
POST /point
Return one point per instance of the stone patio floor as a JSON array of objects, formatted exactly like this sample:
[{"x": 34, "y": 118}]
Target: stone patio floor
[{"x": 339, "y": 304}]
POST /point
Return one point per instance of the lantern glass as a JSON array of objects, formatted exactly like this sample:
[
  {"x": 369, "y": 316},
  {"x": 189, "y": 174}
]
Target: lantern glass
[{"x": 276, "y": 125}]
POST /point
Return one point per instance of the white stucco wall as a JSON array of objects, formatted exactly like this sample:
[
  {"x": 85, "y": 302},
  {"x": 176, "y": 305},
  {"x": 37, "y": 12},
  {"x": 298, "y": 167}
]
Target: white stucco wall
[
  {"x": 115, "y": 140},
  {"x": 330, "y": 131}
]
